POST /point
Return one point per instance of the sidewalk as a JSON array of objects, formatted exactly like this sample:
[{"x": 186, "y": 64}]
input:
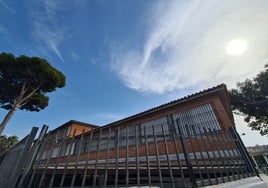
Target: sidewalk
[
  {"x": 252, "y": 182},
  {"x": 264, "y": 177}
]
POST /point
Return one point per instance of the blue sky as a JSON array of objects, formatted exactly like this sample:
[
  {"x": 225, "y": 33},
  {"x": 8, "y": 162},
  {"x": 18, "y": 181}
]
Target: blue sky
[{"x": 122, "y": 57}]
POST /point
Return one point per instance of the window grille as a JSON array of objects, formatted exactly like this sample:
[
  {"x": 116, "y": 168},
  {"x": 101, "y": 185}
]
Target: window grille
[
  {"x": 197, "y": 120},
  {"x": 55, "y": 152},
  {"x": 157, "y": 124},
  {"x": 123, "y": 136}
]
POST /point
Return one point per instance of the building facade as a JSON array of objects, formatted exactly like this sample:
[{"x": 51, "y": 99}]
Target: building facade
[{"x": 189, "y": 142}]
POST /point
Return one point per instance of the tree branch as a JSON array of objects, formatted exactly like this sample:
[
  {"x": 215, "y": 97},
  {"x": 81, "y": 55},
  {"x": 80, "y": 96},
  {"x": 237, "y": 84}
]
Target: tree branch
[
  {"x": 30, "y": 94},
  {"x": 20, "y": 100},
  {"x": 23, "y": 88},
  {"x": 22, "y": 92},
  {"x": 255, "y": 102}
]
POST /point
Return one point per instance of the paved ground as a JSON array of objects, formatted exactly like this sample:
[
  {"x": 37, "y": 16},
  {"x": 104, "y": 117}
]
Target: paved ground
[
  {"x": 252, "y": 182},
  {"x": 264, "y": 177}
]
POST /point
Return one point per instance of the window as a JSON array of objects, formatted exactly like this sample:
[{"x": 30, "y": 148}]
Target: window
[
  {"x": 94, "y": 144},
  {"x": 55, "y": 152},
  {"x": 157, "y": 124},
  {"x": 197, "y": 120},
  {"x": 105, "y": 139},
  {"x": 44, "y": 155},
  {"x": 61, "y": 133},
  {"x": 70, "y": 149},
  {"x": 77, "y": 147},
  {"x": 63, "y": 150},
  {"x": 123, "y": 136},
  {"x": 47, "y": 154}
]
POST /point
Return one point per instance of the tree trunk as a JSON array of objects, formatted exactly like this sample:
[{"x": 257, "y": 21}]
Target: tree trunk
[
  {"x": 7, "y": 118},
  {"x": 18, "y": 102}
]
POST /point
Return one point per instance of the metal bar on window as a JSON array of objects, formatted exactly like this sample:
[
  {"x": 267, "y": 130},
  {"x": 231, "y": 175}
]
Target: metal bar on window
[
  {"x": 35, "y": 150},
  {"x": 107, "y": 158},
  {"x": 173, "y": 132},
  {"x": 186, "y": 155},
  {"x": 231, "y": 153},
  {"x": 194, "y": 153},
  {"x": 137, "y": 155},
  {"x": 167, "y": 155},
  {"x": 87, "y": 157},
  {"x": 32, "y": 181},
  {"x": 226, "y": 155},
  {"x": 157, "y": 157},
  {"x": 202, "y": 158},
  {"x": 147, "y": 158},
  {"x": 216, "y": 141},
  {"x": 97, "y": 158},
  {"x": 57, "y": 161},
  {"x": 77, "y": 157},
  {"x": 127, "y": 170},
  {"x": 203, "y": 138},
  {"x": 210, "y": 143},
  {"x": 67, "y": 159},
  {"x": 244, "y": 154},
  {"x": 117, "y": 157},
  {"x": 47, "y": 162}
]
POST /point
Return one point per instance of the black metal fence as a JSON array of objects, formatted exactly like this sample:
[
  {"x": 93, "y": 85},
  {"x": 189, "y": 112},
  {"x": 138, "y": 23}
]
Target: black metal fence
[
  {"x": 17, "y": 163},
  {"x": 132, "y": 156}
]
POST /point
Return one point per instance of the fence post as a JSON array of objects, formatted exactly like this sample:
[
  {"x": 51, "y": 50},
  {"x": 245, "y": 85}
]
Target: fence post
[
  {"x": 22, "y": 158},
  {"x": 186, "y": 154},
  {"x": 35, "y": 151},
  {"x": 243, "y": 151}
]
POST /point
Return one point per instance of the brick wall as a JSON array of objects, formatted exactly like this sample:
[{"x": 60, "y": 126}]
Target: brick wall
[{"x": 193, "y": 144}]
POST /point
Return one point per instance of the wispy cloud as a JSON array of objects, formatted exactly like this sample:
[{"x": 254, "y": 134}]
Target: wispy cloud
[
  {"x": 3, "y": 31},
  {"x": 185, "y": 45},
  {"x": 11, "y": 10},
  {"x": 74, "y": 56},
  {"x": 106, "y": 117},
  {"x": 53, "y": 22}
]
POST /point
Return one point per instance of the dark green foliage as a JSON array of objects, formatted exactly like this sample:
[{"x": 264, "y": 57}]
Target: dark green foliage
[
  {"x": 34, "y": 73},
  {"x": 24, "y": 83},
  {"x": 250, "y": 99},
  {"x": 260, "y": 160},
  {"x": 7, "y": 142}
]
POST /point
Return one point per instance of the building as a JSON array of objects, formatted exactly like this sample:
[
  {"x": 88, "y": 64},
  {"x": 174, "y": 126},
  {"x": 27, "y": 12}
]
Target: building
[
  {"x": 68, "y": 130},
  {"x": 259, "y": 154},
  {"x": 189, "y": 142}
]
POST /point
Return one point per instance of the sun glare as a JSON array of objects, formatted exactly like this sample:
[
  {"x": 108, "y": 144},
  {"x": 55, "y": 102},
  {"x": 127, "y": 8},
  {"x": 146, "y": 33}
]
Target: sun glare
[{"x": 236, "y": 47}]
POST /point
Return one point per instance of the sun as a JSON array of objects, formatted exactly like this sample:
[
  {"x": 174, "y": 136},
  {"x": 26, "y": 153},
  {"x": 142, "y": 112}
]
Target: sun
[{"x": 236, "y": 47}]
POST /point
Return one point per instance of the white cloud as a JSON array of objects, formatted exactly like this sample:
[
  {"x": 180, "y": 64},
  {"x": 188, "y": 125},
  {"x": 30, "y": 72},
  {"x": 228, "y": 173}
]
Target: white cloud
[
  {"x": 11, "y": 10},
  {"x": 53, "y": 22},
  {"x": 74, "y": 56},
  {"x": 249, "y": 137},
  {"x": 3, "y": 31},
  {"x": 45, "y": 26},
  {"x": 105, "y": 118},
  {"x": 185, "y": 46}
]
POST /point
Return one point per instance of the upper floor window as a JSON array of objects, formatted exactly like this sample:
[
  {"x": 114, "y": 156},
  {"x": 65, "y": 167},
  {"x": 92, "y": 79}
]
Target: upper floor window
[
  {"x": 197, "y": 120},
  {"x": 61, "y": 133},
  {"x": 156, "y": 127}
]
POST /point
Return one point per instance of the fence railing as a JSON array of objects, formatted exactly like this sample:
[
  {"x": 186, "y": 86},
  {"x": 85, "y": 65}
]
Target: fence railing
[{"x": 132, "y": 156}]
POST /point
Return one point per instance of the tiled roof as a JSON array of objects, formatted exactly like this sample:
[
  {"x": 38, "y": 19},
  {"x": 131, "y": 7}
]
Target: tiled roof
[
  {"x": 76, "y": 122},
  {"x": 171, "y": 103}
]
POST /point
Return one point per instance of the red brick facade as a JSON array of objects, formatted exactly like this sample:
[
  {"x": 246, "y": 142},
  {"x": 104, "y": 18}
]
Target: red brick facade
[{"x": 194, "y": 129}]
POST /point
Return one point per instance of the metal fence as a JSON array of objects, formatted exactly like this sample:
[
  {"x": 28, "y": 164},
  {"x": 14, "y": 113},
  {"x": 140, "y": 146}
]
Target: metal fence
[
  {"x": 17, "y": 163},
  {"x": 132, "y": 156}
]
